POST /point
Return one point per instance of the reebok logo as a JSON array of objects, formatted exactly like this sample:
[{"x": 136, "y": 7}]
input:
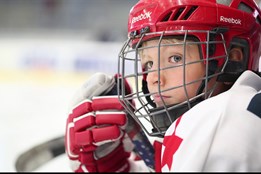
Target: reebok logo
[
  {"x": 230, "y": 20},
  {"x": 142, "y": 16}
]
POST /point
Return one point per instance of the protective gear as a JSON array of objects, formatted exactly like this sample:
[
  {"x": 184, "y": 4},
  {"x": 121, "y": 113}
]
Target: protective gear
[
  {"x": 95, "y": 129},
  {"x": 216, "y": 26},
  {"x": 220, "y": 134}
]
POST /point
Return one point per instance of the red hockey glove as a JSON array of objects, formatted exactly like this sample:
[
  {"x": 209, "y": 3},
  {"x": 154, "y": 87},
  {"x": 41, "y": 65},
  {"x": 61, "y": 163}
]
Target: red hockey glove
[{"x": 95, "y": 128}]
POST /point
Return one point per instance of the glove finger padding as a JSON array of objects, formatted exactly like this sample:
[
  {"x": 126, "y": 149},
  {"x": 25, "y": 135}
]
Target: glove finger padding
[
  {"x": 96, "y": 128},
  {"x": 106, "y": 103}
]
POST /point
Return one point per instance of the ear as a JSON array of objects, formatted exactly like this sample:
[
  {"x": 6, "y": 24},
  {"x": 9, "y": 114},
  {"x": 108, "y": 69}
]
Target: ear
[{"x": 236, "y": 54}]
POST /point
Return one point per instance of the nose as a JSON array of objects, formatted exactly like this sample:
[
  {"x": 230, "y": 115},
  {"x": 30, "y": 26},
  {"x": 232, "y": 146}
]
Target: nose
[{"x": 156, "y": 77}]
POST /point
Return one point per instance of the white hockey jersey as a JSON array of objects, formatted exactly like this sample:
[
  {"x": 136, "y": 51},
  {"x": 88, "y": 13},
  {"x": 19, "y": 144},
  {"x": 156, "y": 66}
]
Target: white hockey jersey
[{"x": 222, "y": 133}]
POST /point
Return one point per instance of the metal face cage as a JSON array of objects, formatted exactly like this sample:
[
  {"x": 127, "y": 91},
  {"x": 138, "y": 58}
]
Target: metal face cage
[{"x": 140, "y": 104}]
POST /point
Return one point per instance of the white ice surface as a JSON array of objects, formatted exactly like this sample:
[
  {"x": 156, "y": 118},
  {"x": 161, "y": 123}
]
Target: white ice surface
[{"x": 30, "y": 115}]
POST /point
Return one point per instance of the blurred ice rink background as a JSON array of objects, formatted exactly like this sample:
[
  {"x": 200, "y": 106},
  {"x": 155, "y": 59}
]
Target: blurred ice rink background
[{"x": 48, "y": 48}]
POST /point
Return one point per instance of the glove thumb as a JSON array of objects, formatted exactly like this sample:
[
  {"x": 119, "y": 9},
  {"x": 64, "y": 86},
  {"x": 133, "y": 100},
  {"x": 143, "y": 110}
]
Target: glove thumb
[{"x": 96, "y": 85}]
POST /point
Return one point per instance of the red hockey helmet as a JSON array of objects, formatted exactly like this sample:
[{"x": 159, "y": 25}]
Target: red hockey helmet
[
  {"x": 241, "y": 18},
  {"x": 217, "y": 26}
]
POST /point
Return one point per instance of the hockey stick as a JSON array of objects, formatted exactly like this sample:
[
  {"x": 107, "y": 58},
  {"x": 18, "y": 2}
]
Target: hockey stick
[
  {"x": 39, "y": 155},
  {"x": 143, "y": 147},
  {"x": 42, "y": 153}
]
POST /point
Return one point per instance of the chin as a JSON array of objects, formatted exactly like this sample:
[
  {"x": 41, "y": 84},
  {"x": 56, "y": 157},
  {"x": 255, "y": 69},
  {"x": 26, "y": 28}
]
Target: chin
[
  {"x": 167, "y": 103},
  {"x": 160, "y": 104}
]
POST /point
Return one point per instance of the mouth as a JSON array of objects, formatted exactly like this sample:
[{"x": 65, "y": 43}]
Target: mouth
[{"x": 160, "y": 98}]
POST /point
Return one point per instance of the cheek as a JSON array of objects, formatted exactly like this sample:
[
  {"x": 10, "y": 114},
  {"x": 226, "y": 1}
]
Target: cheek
[
  {"x": 194, "y": 77},
  {"x": 195, "y": 71},
  {"x": 169, "y": 78},
  {"x": 175, "y": 77}
]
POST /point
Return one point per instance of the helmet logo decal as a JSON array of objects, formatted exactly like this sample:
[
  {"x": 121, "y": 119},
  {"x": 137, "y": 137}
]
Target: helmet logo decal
[
  {"x": 142, "y": 16},
  {"x": 230, "y": 20}
]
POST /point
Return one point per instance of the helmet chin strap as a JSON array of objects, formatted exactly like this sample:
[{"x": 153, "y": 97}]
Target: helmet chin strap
[{"x": 161, "y": 119}]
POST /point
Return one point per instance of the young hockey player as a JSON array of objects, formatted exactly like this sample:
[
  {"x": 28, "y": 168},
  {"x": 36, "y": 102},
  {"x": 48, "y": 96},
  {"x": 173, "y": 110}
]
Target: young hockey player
[{"x": 193, "y": 67}]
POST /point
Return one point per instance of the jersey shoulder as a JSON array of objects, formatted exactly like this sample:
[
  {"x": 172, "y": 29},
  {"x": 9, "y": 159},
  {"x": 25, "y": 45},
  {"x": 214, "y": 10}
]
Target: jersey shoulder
[
  {"x": 243, "y": 97},
  {"x": 202, "y": 130},
  {"x": 246, "y": 94}
]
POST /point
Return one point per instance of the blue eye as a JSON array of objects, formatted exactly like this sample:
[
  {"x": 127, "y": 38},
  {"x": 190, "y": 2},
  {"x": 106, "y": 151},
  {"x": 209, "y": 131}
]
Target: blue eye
[
  {"x": 148, "y": 65},
  {"x": 175, "y": 59}
]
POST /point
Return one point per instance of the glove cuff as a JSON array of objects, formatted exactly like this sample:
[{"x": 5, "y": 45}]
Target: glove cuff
[{"x": 116, "y": 161}]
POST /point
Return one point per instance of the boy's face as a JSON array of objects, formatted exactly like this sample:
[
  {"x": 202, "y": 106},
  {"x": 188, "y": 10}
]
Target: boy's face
[{"x": 186, "y": 79}]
